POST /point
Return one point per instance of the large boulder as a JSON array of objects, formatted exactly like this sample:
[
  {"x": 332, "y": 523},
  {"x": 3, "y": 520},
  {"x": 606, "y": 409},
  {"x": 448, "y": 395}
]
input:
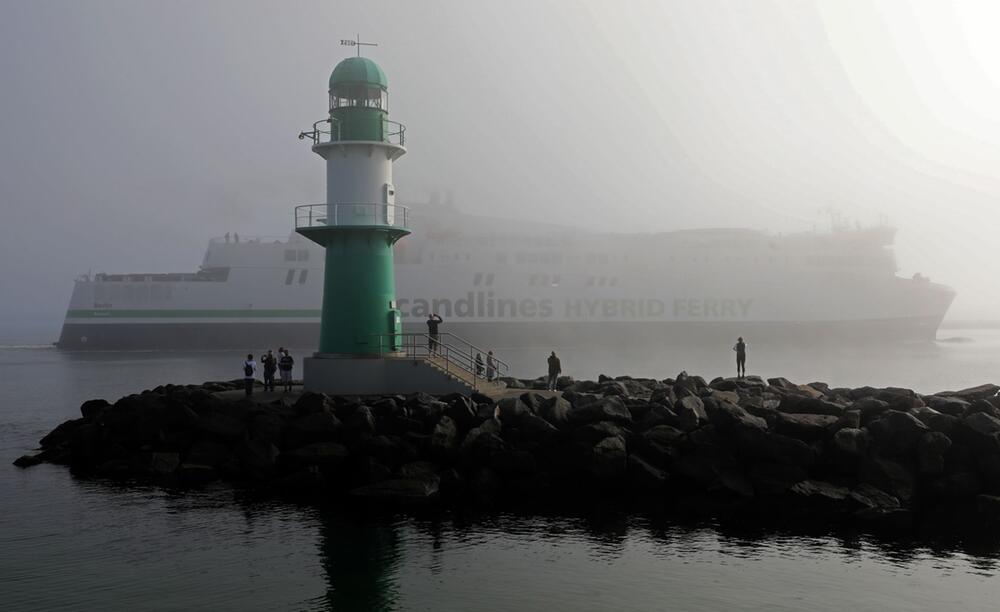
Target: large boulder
[
  {"x": 805, "y": 427},
  {"x": 888, "y": 475},
  {"x": 983, "y": 432},
  {"x": 897, "y": 433},
  {"x": 850, "y": 442},
  {"x": 690, "y": 412},
  {"x": 444, "y": 437},
  {"x": 535, "y": 429},
  {"x": 222, "y": 426},
  {"x": 511, "y": 409},
  {"x": 818, "y": 494},
  {"x": 727, "y": 417},
  {"x": 312, "y": 427},
  {"x": 931, "y": 449},
  {"x": 94, "y": 407},
  {"x": 320, "y": 454},
  {"x": 644, "y": 476},
  {"x": 592, "y": 433},
  {"x": 774, "y": 447},
  {"x": 608, "y": 459},
  {"x": 974, "y": 393},
  {"x": 556, "y": 411},
  {"x": 603, "y": 409}
]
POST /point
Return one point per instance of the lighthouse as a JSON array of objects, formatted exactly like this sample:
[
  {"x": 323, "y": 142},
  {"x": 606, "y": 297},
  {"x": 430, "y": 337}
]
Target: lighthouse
[{"x": 361, "y": 344}]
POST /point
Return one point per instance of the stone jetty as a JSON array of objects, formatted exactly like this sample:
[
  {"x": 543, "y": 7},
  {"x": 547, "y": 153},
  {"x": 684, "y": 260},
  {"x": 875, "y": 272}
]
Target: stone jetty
[{"x": 875, "y": 455}]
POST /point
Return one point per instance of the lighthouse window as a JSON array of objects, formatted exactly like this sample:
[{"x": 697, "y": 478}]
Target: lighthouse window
[
  {"x": 359, "y": 95},
  {"x": 289, "y": 277},
  {"x": 302, "y": 276}
]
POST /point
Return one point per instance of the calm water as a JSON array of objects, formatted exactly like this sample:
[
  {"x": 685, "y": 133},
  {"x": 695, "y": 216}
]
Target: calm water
[{"x": 72, "y": 544}]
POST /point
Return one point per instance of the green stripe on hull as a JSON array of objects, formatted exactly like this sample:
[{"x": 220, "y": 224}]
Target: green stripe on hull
[{"x": 175, "y": 314}]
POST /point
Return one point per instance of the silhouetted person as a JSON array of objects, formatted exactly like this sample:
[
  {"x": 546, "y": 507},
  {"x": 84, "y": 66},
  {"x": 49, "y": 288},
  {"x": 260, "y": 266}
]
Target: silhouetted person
[
  {"x": 227, "y": 237},
  {"x": 270, "y": 367},
  {"x": 479, "y": 365},
  {"x": 285, "y": 365},
  {"x": 249, "y": 370},
  {"x": 491, "y": 366},
  {"x": 555, "y": 369},
  {"x": 432, "y": 330},
  {"x": 741, "y": 357},
  {"x": 236, "y": 237}
]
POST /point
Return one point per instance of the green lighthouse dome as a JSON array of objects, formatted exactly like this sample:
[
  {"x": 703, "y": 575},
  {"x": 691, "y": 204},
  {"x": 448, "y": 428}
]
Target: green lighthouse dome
[{"x": 358, "y": 71}]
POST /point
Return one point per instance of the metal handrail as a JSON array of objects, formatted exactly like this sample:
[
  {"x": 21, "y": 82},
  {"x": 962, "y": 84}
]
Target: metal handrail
[
  {"x": 349, "y": 214},
  {"x": 393, "y": 132},
  {"x": 418, "y": 345},
  {"x": 316, "y": 135}
]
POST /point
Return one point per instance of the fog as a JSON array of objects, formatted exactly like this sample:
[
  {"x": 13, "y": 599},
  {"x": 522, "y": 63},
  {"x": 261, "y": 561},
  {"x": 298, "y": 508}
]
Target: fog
[{"x": 132, "y": 132}]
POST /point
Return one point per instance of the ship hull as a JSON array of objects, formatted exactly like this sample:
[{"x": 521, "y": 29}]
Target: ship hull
[{"x": 251, "y": 337}]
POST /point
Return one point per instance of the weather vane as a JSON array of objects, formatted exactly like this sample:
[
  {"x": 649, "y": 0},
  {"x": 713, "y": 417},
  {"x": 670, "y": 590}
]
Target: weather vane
[{"x": 357, "y": 43}]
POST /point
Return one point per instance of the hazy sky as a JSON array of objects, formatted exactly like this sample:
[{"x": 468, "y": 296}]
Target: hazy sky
[{"x": 131, "y": 132}]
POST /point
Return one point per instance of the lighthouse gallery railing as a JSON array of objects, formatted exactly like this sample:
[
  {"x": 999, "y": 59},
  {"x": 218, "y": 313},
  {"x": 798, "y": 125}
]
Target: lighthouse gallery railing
[
  {"x": 350, "y": 213},
  {"x": 393, "y": 132}
]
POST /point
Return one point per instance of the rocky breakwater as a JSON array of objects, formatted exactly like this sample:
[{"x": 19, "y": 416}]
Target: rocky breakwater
[{"x": 869, "y": 454}]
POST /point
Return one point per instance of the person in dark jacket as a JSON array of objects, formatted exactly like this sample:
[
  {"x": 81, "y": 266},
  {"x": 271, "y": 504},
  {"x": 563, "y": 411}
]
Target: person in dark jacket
[
  {"x": 270, "y": 367},
  {"x": 479, "y": 365},
  {"x": 555, "y": 369},
  {"x": 491, "y": 366},
  {"x": 285, "y": 365},
  {"x": 432, "y": 330},
  {"x": 249, "y": 370},
  {"x": 741, "y": 357}
]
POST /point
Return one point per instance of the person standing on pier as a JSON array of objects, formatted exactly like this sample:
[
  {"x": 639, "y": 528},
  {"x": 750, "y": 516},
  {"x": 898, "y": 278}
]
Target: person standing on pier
[
  {"x": 285, "y": 364},
  {"x": 479, "y": 365},
  {"x": 432, "y": 330},
  {"x": 741, "y": 357},
  {"x": 249, "y": 370},
  {"x": 491, "y": 366},
  {"x": 270, "y": 367},
  {"x": 555, "y": 369}
]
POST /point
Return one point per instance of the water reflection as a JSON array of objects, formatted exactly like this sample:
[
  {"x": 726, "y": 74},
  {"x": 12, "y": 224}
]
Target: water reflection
[{"x": 360, "y": 556}]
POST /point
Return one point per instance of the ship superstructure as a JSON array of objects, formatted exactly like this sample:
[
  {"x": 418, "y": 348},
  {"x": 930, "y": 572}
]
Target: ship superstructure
[{"x": 504, "y": 282}]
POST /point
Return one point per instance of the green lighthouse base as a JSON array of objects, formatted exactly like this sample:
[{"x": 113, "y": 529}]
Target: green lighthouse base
[{"x": 351, "y": 375}]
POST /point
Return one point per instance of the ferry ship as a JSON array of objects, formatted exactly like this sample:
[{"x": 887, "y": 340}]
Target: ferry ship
[{"x": 504, "y": 283}]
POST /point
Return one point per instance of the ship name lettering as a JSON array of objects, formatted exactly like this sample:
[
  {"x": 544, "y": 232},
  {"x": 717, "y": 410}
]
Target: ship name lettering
[{"x": 712, "y": 308}]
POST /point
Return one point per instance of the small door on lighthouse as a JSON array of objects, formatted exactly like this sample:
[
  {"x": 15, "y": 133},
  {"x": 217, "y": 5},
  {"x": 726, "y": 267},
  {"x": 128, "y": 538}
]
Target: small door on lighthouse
[{"x": 389, "y": 199}]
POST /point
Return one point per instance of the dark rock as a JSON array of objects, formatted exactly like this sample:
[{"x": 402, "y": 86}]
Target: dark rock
[
  {"x": 25, "y": 461},
  {"x": 537, "y": 429},
  {"x": 268, "y": 427},
  {"x": 985, "y": 407},
  {"x": 311, "y": 403},
  {"x": 984, "y": 431},
  {"x": 727, "y": 417},
  {"x": 305, "y": 481},
  {"x": 513, "y": 463},
  {"x": 603, "y": 409},
  {"x": 870, "y": 408},
  {"x": 810, "y": 405},
  {"x": 690, "y": 412},
  {"x": 417, "y": 469},
  {"x": 360, "y": 421},
  {"x": 819, "y": 494},
  {"x": 642, "y": 475},
  {"x": 400, "y": 491},
  {"x": 850, "y": 442},
  {"x": 313, "y": 427},
  {"x": 223, "y": 426},
  {"x": 444, "y": 437},
  {"x": 485, "y": 485},
  {"x": 988, "y": 508},
  {"x": 656, "y": 415},
  {"x": 94, "y": 407},
  {"x": 868, "y": 497},
  {"x": 320, "y": 454},
  {"x": 511, "y": 409},
  {"x": 930, "y": 452},
  {"x": 480, "y": 445},
  {"x": 162, "y": 464},
  {"x": 888, "y": 475},
  {"x": 608, "y": 459},
  {"x": 897, "y": 433},
  {"x": 592, "y": 433},
  {"x": 556, "y": 411},
  {"x": 774, "y": 447},
  {"x": 954, "y": 406},
  {"x": 462, "y": 412},
  {"x": 770, "y": 478},
  {"x": 61, "y": 434},
  {"x": 974, "y": 393},
  {"x": 805, "y": 427}
]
